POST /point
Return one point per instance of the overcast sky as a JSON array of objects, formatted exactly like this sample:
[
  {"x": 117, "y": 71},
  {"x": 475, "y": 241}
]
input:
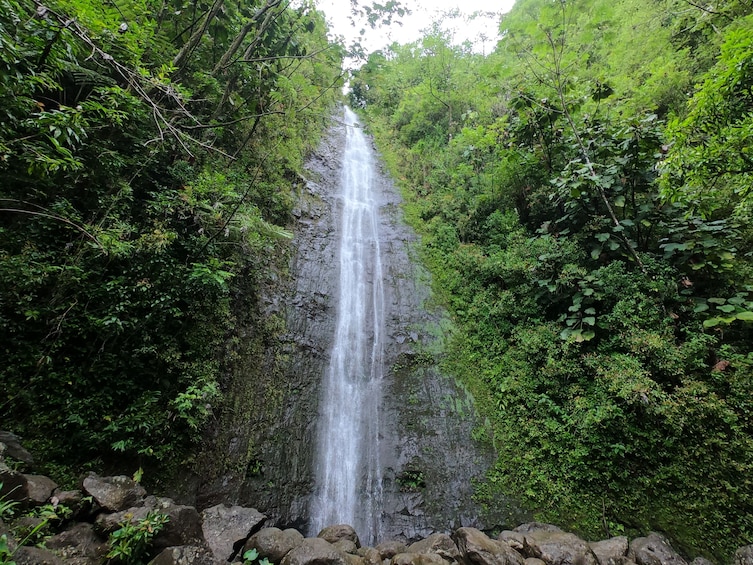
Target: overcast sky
[{"x": 423, "y": 13}]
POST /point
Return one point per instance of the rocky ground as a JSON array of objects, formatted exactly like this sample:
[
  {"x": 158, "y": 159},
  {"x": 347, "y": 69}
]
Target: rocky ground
[{"x": 50, "y": 526}]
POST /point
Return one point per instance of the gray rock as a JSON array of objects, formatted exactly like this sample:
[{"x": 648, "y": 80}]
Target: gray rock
[
  {"x": 339, "y": 532},
  {"x": 274, "y": 543},
  {"x": 79, "y": 543},
  {"x": 555, "y": 547},
  {"x": 14, "y": 449},
  {"x": 701, "y": 561},
  {"x": 315, "y": 551},
  {"x": 182, "y": 528},
  {"x": 516, "y": 540},
  {"x": 26, "y": 555},
  {"x": 114, "y": 493},
  {"x": 389, "y": 549},
  {"x": 534, "y": 561},
  {"x": 479, "y": 549},
  {"x": 370, "y": 556},
  {"x": 654, "y": 549},
  {"x": 417, "y": 559},
  {"x": 226, "y": 528},
  {"x": 39, "y": 489},
  {"x": 73, "y": 499},
  {"x": 609, "y": 551},
  {"x": 185, "y": 555},
  {"x": 346, "y": 546},
  {"x": 354, "y": 559},
  {"x": 744, "y": 555},
  {"x": 440, "y": 544}
]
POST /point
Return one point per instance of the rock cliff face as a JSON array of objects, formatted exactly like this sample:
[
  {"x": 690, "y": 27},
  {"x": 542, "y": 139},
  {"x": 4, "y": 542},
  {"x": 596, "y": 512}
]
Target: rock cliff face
[{"x": 429, "y": 459}]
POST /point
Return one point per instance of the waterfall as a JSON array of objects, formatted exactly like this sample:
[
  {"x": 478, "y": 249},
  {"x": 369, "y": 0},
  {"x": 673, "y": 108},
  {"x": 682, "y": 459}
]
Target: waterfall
[{"x": 348, "y": 475}]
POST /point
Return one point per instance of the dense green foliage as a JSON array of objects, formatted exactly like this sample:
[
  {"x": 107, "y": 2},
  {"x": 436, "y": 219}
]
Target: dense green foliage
[
  {"x": 147, "y": 155},
  {"x": 584, "y": 198}
]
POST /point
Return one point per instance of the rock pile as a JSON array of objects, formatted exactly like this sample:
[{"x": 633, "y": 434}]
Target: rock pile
[{"x": 224, "y": 533}]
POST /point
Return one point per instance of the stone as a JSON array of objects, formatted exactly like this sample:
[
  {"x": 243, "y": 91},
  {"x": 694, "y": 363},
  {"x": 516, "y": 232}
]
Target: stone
[
  {"x": 534, "y": 561},
  {"x": 79, "y": 542},
  {"x": 701, "y": 561},
  {"x": 389, "y": 549},
  {"x": 609, "y": 551},
  {"x": 654, "y": 549},
  {"x": 73, "y": 499},
  {"x": 346, "y": 546},
  {"x": 182, "y": 528},
  {"x": 516, "y": 540},
  {"x": 26, "y": 555},
  {"x": 314, "y": 551},
  {"x": 226, "y": 528},
  {"x": 744, "y": 556},
  {"x": 354, "y": 559},
  {"x": 185, "y": 555},
  {"x": 370, "y": 556},
  {"x": 440, "y": 544},
  {"x": 39, "y": 489},
  {"x": 14, "y": 449},
  {"x": 274, "y": 543},
  {"x": 13, "y": 485},
  {"x": 339, "y": 532},
  {"x": 417, "y": 559},
  {"x": 114, "y": 493},
  {"x": 479, "y": 549},
  {"x": 555, "y": 547}
]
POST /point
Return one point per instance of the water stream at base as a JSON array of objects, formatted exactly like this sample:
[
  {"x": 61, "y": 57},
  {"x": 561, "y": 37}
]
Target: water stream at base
[{"x": 348, "y": 468}]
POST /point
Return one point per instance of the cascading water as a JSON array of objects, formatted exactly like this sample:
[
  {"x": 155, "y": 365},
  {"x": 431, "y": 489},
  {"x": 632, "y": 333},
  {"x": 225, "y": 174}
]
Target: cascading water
[{"x": 348, "y": 472}]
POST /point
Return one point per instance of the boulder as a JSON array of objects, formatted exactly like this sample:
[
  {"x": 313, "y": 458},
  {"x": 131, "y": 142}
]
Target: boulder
[
  {"x": 417, "y": 559},
  {"x": 701, "y": 561},
  {"x": 354, "y": 559},
  {"x": 744, "y": 555},
  {"x": 333, "y": 534},
  {"x": 654, "y": 549},
  {"x": 39, "y": 489},
  {"x": 389, "y": 549},
  {"x": 534, "y": 561},
  {"x": 555, "y": 547},
  {"x": 182, "y": 528},
  {"x": 13, "y": 483},
  {"x": 479, "y": 549},
  {"x": 226, "y": 528},
  {"x": 28, "y": 490},
  {"x": 516, "y": 540},
  {"x": 315, "y": 551},
  {"x": 73, "y": 499},
  {"x": 346, "y": 546},
  {"x": 79, "y": 542},
  {"x": 274, "y": 543},
  {"x": 610, "y": 551},
  {"x": 114, "y": 493},
  {"x": 185, "y": 555},
  {"x": 370, "y": 556},
  {"x": 13, "y": 448},
  {"x": 440, "y": 544}
]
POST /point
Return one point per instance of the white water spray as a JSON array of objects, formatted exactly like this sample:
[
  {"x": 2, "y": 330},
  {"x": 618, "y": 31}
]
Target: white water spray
[{"x": 348, "y": 474}]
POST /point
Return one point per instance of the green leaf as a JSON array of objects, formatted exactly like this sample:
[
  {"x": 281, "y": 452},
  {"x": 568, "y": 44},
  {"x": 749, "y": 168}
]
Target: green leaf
[
  {"x": 727, "y": 308},
  {"x": 745, "y": 316}
]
